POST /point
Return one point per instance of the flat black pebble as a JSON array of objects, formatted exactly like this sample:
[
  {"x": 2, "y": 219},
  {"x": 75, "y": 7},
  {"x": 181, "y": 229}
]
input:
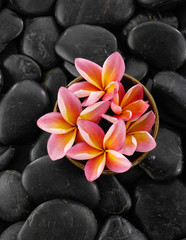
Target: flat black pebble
[
  {"x": 86, "y": 41},
  {"x": 114, "y": 197},
  {"x": 39, "y": 148},
  {"x": 71, "y": 69},
  {"x": 32, "y": 7},
  {"x": 169, "y": 90},
  {"x": 162, "y": 45},
  {"x": 54, "y": 79},
  {"x": 95, "y": 12},
  {"x": 160, "y": 209},
  {"x": 20, "y": 108},
  {"x": 11, "y": 49},
  {"x": 60, "y": 219},
  {"x": 38, "y": 41},
  {"x": 116, "y": 228},
  {"x": 14, "y": 202},
  {"x": 6, "y": 155},
  {"x": 11, "y": 27},
  {"x": 45, "y": 179},
  {"x": 11, "y": 232},
  {"x": 136, "y": 67},
  {"x": 160, "y": 4},
  {"x": 17, "y": 68},
  {"x": 166, "y": 160}
]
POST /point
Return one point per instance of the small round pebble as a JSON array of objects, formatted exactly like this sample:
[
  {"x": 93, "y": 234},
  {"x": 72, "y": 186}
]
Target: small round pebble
[
  {"x": 6, "y": 155},
  {"x": 38, "y": 41},
  {"x": 17, "y": 68}
]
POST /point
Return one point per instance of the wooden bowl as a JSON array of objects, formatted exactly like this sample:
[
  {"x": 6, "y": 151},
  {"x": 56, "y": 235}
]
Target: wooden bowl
[{"x": 137, "y": 157}]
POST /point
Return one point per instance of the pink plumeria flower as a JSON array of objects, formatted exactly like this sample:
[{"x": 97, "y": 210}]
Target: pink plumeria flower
[
  {"x": 100, "y": 149},
  {"x": 129, "y": 105},
  {"x": 101, "y": 82},
  {"x": 138, "y": 137},
  {"x": 63, "y": 124}
]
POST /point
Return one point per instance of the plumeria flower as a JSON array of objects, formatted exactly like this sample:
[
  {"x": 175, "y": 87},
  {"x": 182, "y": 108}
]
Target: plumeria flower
[
  {"x": 129, "y": 105},
  {"x": 63, "y": 124},
  {"x": 138, "y": 137},
  {"x": 100, "y": 149},
  {"x": 100, "y": 82}
]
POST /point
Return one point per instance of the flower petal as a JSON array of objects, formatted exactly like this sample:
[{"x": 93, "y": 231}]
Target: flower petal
[
  {"x": 111, "y": 91},
  {"x": 54, "y": 123},
  {"x": 82, "y": 89},
  {"x": 93, "y": 98},
  {"x": 116, "y": 108},
  {"x": 78, "y": 137},
  {"x": 109, "y": 118},
  {"x": 59, "y": 144},
  {"x": 145, "y": 142},
  {"x": 90, "y": 71},
  {"x": 94, "y": 167},
  {"x": 120, "y": 94},
  {"x": 125, "y": 115},
  {"x": 116, "y": 162},
  {"x": 93, "y": 112},
  {"x": 115, "y": 136},
  {"x": 133, "y": 94},
  {"x": 144, "y": 123},
  {"x": 129, "y": 146},
  {"x": 113, "y": 69},
  {"x": 92, "y": 133},
  {"x": 69, "y": 105},
  {"x": 137, "y": 108},
  {"x": 83, "y": 151}
]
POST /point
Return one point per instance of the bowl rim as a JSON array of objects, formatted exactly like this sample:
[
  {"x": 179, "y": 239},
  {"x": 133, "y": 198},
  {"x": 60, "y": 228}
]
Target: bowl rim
[{"x": 152, "y": 102}]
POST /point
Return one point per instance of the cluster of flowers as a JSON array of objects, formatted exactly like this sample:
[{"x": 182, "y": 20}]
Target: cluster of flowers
[{"x": 75, "y": 131}]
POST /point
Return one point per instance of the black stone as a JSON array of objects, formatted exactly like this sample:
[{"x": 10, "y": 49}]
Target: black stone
[
  {"x": 11, "y": 232},
  {"x": 95, "y": 12},
  {"x": 86, "y": 41},
  {"x": 130, "y": 177},
  {"x": 38, "y": 41},
  {"x": 6, "y": 155},
  {"x": 39, "y": 148},
  {"x": 153, "y": 41},
  {"x": 116, "y": 228},
  {"x": 14, "y": 202},
  {"x": 160, "y": 4},
  {"x": 136, "y": 67},
  {"x": 165, "y": 17},
  {"x": 11, "y": 49},
  {"x": 166, "y": 160},
  {"x": 54, "y": 79},
  {"x": 169, "y": 92},
  {"x": 71, "y": 69},
  {"x": 114, "y": 198},
  {"x": 160, "y": 209},
  {"x": 1, "y": 3},
  {"x": 17, "y": 68},
  {"x": 149, "y": 84},
  {"x": 45, "y": 179},
  {"x": 182, "y": 16},
  {"x": 1, "y": 81},
  {"x": 21, "y": 158},
  {"x": 60, "y": 219},
  {"x": 11, "y": 27},
  {"x": 32, "y": 7},
  {"x": 20, "y": 108}
]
